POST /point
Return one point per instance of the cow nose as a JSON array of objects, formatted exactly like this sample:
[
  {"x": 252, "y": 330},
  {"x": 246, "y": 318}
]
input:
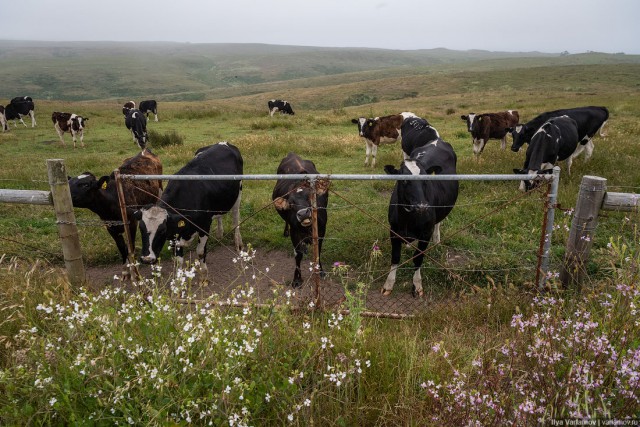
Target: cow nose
[
  {"x": 515, "y": 149},
  {"x": 304, "y": 216}
]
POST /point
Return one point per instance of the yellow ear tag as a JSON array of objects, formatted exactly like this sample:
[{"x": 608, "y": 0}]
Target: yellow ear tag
[
  {"x": 104, "y": 185},
  {"x": 180, "y": 223}
]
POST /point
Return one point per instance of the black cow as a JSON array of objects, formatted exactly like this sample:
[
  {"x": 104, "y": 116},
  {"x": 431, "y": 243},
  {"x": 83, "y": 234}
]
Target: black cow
[
  {"x": 417, "y": 206},
  {"x": 101, "y": 196},
  {"x": 136, "y": 122},
  {"x": 18, "y": 107},
  {"x": 589, "y": 120},
  {"x": 292, "y": 201},
  {"x": 186, "y": 209},
  {"x": 556, "y": 140},
  {"x": 68, "y": 122},
  {"x": 149, "y": 106},
  {"x": 416, "y": 132},
  {"x": 276, "y": 105}
]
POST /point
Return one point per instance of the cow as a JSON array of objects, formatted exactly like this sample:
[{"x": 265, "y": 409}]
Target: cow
[
  {"x": 100, "y": 195},
  {"x": 486, "y": 126},
  {"x": 292, "y": 200},
  {"x": 185, "y": 211},
  {"x": 590, "y": 120},
  {"x": 69, "y": 122},
  {"x": 129, "y": 105},
  {"x": 136, "y": 122},
  {"x": 18, "y": 107},
  {"x": 417, "y": 206},
  {"x": 556, "y": 140},
  {"x": 149, "y": 106},
  {"x": 416, "y": 132},
  {"x": 276, "y": 105},
  {"x": 379, "y": 130},
  {"x": 3, "y": 119}
]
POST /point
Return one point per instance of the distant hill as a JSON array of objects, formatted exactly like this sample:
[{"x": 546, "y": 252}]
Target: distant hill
[{"x": 183, "y": 71}]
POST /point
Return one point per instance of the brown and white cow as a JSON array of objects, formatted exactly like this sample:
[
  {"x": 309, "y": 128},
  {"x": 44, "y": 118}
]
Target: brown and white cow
[
  {"x": 69, "y": 122},
  {"x": 129, "y": 105},
  {"x": 486, "y": 126},
  {"x": 380, "y": 130}
]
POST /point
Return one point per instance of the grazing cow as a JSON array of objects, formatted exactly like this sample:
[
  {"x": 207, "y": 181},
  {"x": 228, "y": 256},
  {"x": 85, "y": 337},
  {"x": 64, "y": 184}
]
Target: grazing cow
[
  {"x": 486, "y": 126},
  {"x": 68, "y": 122},
  {"x": 417, "y": 206},
  {"x": 150, "y": 106},
  {"x": 101, "y": 196},
  {"x": 589, "y": 120},
  {"x": 556, "y": 140},
  {"x": 3, "y": 119},
  {"x": 136, "y": 122},
  {"x": 416, "y": 132},
  {"x": 186, "y": 209},
  {"x": 276, "y": 105},
  {"x": 379, "y": 130},
  {"x": 129, "y": 105},
  {"x": 18, "y": 107},
  {"x": 292, "y": 200}
]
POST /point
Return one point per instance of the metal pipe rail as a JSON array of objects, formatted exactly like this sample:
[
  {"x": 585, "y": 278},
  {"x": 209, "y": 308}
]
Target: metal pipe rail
[{"x": 342, "y": 177}]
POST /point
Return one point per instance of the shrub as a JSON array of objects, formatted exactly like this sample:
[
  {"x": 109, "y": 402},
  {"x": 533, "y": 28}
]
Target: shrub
[{"x": 158, "y": 139}]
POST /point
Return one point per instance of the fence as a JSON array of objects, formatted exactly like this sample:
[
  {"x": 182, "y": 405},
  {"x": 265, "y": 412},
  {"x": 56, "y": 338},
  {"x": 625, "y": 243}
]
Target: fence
[{"x": 320, "y": 293}]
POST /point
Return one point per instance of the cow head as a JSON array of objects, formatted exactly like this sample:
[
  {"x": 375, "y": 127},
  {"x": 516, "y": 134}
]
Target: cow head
[
  {"x": 156, "y": 225},
  {"x": 517, "y": 133},
  {"x": 530, "y": 184},
  {"x": 360, "y": 121},
  {"x": 412, "y": 195},
  {"x": 85, "y": 189},
  {"x": 469, "y": 120},
  {"x": 296, "y": 205},
  {"x": 78, "y": 122},
  {"x": 130, "y": 105}
]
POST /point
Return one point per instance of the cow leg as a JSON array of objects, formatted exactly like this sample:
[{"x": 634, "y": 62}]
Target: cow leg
[
  {"x": 33, "y": 118},
  {"x": 418, "y": 257},
  {"x": 435, "y": 237},
  {"x": 22, "y": 121},
  {"x": 118, "y": 238},
  {"x": 81, "y": 133},
  {"x": 201, "y": 251},
  {"x": 60, "y": 133},
  {"x": 374, "y": 153},
  {"x": 368, "y": 152},
  {"x": 503, "y": 143},
  {"x": 156, "y": 116},
  {"x": 286, "y": 229},
  {"x": 396, "y": 248},
  {"x": 588, "y": 150},
  {"x": 235, "y": 212},
  {"x": 73, "y": 137},
  {"x": 272, "y": 111},
  {"x": 219, "y": 227},
  {"x": 297, "y": 275},
  {"x": 3, "y": 123}
]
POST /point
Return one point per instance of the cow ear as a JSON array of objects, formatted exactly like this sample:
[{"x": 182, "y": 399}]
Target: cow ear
[
  {"x": 103, "y": 182},
  {"x": 137, "y": 215},
  {"x": 281, "y": 203},
  {"x": 322, "y": 186},
  {"x": 464, "y": 118},
  {"x": 391, "y": 170},
  {"x": 85, "y": 119},
  {"x": 519, "y": 171},
  {"x": 434, "y": 170},
  {"x": 354, "y": 121}
]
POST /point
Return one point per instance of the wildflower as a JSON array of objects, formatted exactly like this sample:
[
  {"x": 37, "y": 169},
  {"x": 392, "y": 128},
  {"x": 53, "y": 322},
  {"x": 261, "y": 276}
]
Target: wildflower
[
  {"x": 267, "y": 397},
  {"x": 52, "y": 401}
]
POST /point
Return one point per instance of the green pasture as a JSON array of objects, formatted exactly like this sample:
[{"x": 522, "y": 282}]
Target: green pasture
[{"x": 493, "y": 231}]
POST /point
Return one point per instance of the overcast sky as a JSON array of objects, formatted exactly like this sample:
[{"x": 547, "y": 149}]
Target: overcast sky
[{"x": 502, "y": 25}]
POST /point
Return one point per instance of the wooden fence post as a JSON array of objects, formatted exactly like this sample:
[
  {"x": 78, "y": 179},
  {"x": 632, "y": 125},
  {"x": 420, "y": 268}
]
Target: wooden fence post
[
  {"x": 66, "y": 219},
  {"x": 585, "y": 220}
]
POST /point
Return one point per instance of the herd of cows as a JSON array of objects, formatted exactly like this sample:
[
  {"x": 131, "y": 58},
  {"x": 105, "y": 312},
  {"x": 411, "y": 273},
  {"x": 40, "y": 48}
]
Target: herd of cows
[{"x": 184, "y": 211}]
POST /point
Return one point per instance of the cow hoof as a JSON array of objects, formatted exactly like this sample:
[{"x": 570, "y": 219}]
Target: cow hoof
[
  {"x": 322, "y": 274},
  {"x": 385, "y": 292},
  {"x": 417, "y": 294},
  {"x": 296, "y": 284}
]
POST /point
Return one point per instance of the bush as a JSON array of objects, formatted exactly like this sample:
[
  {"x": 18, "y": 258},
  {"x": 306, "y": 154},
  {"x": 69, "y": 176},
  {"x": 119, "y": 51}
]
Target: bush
[{"x": 158, "y": 139}]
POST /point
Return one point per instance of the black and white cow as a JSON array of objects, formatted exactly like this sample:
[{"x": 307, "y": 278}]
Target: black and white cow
[
  {"x": 186, "y": 209},
  {"x": 292, "y": 200},
  {"x": 149, "y": 106},
  {"x": 417, "y": 206},
  {"x": 276, "y": 105},
  {"x": 136, "y": 122},
  {"x": 590, "y": 120},
  {"x": 69, "y": 122},
  {"x": 486, "y": 126},
  {"x": 100, "y": 195},
  {"x": 416, "y": 132},
  {"x": 18, "y": 107},
  {"x": 3, "y": 119},
  {"x": 129, "y": 105},
  {"x": 556, "y": 140},
  {"x": 380, "y": 130}
]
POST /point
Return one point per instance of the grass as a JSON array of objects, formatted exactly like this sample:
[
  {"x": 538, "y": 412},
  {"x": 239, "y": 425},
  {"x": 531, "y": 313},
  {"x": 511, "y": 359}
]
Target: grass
[{"x": 454, "y": 348}]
